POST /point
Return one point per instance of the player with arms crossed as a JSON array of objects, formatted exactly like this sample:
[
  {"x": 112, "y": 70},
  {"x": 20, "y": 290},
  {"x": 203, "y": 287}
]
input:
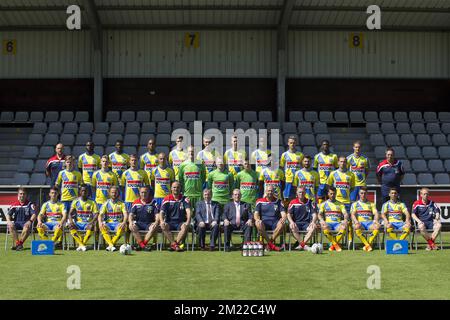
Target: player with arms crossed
[
  {"x": 392, "y": 213},
  {"x": 177, "y": 156},
  {"x": 88, "y": 163},
  {"x": 359, "y": 165},
  {"x": 68, "y": 182},
  {"x": 161, "y": 179},
  {"x": 324, "y": 163},
  {"x": 427, "y": 215},
  {"x": 365, "y": 217},
  {"x": 132, "y": 179},
  {"x": 290, "y": 162},
  {"x": 102, "y": 181},
  {"x": 52, "y": 217},
  {"x": 307, "y": 178},
  {"x": 247, "y": 182}
]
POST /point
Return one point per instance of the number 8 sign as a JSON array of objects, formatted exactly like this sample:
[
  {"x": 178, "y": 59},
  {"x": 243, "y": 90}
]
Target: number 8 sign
[
  {"x": 356, "y": 40},
  {"x": 9, "y": 47}
]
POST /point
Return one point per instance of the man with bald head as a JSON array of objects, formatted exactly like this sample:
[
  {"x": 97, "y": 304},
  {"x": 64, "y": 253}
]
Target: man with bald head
[
  {"x": 428, "y": 217},
  {"x": 55, "y": 164}
]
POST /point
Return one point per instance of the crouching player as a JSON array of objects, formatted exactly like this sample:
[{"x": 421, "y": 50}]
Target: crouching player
[
  {"x": 427, "y": 215},
  {"x": 333, "y": 217},
  {"x": 302, "y": 217},
  {"x": 52, "y": 217},
  {"x": 83, "y": 216},
  {"x": 365, "y": 217},
  {"x": 113, "y": 217},
  {"x": 392, "y": 213},
  {"x": 143, "y": 217}
]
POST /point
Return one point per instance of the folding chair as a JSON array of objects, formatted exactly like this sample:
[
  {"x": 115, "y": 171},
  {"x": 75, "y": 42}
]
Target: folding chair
[
  {"x": 385, "y": 235},
  {"x": 416, "y": 234},
  {"x": 366, "y": 233},
  {"x": 334, "y": 234},
  {"x": 282, "y": 236},
  {"x": 8, "y": 234},
  {"x": 195, "y": 236},
  {"x": 143, "y": 233},
  {"x": 67, "y": 243},
  {"x": 304, "y": 233},
  {"x": 174, "y": 234}
]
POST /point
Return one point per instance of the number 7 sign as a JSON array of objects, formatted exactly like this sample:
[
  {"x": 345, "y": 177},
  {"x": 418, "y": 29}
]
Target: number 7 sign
[{"x": 192, "y": 39}]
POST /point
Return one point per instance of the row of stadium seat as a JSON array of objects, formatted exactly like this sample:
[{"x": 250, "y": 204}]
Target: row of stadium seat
[
  {"x": 39, "y": 116},
  {"x": 168, "y": 127},
  {"x": 405, "y": 128},
  {"x": 415, "y": 152},
  {"x": 407, "y": 140}
]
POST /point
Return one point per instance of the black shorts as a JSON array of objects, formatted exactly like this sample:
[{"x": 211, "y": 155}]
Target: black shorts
[
  {"x": 143, "y": 226},
  {"x": 302, "y": 226},
  {"x": 429, "y": 224},
  {"x": 175, "y": 226},
  {"x": 18, "y": 225},
  {"x": 270, "y": 224}
]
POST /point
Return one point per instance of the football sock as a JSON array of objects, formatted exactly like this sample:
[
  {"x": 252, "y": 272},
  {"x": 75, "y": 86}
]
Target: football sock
[
  {"x": 119, "y": 233},
  {"x": 330, "y": 238},
  {"x": 57, "y": 235},
  {"x": 392, "y": 234},
  {"x": 77, "y": 237},
  {"x": 107, "y": 237},
  {"x": 340, "y": 235},
  {"x": 404, "y": 234},
  {"x": 87, "y": 236},
  {"x": 350, "y": 232},
  {"x": 373, "y": 236},
  {"x": 361, "y": 236},
  {"x": 42, "y": 235}
]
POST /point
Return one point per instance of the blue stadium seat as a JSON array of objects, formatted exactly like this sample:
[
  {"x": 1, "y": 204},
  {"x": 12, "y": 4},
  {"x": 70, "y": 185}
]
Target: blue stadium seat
[
  {"x": 234, "y": 116},
  {"x": 143, "y": 139},
  {"x": 21, "y": 178},
  {"x": 289, "y": 127},
  {"x": 21, "y": 116},
  {"x": 39, "y": 128},
  {"x": 442, "y": 178},
  {"x": 341, "y": 117},
  {"x": 51, "y": 116},
  {"x": 70, "y": 128},
  {"x": 430, "y": 153},
  {"x": 444, "y": 117},
  {"x": 128, "y": 116},
  {"x": 444, "y": 152},
  {"x": 265, "y": 116},
  {"x": 408, "y": 140},
  {"x": 36, "y": 116},
  {"x": 66, "y": 116},
  {"x": 447, "y": 165},
  {"x": 430, "y": 116},
  {"x": 101, "y": 127},
  {"x": 273, "y": 125},
  {"x": 82, "y": 138},
  {"x": 164, "y": 127},
  {"x": 50, "y": 139},
  {"x": 418, "y": 127},
  {"x": 219, "y": 116},
  {"x": 117, "y": 127},
  {"x": 356, "y": 117},
  {"x": 419, "y": 165},
  {"x": 143, "y": 116},
  {"x": 148, "y": 127},
  {"x": 413, "y": 152},
  {"x": 296, "y": 116},
  {"x": 179, "y": 125},
  {"x": 46, "y": 152},
  {"x": 226, "y": 125},
  {"x": 307, "y": 140},
  {"x": 423, "y": 140},
  {"x": 109, "y": 150},
  {"x": 320, "y": 127},
  {"x": 425, "y": 178},
  {"x": 250, "y": 116},
  {"x": 401, "y": 117},
  {"x": 433, "y": 128},
  {"x": 392, "y": 140},
  {"x": 163, "y": 140},
  {"x": 406, "y": 165},
  {"x": 81, "y": 116},
  {"x": 377, "y": 140},
  {"x": 445, "y": 128},
  {"x": 188, "y": 116},
  {"x": 388, "y": 128},
  {"x": 55, "y": 127},
  {"x": 326, "y": 116},
  {"x": 242, "y": 125},
  {"x": 372, "y": 127},
  {"x": 311, "y": 116},
  {"x": 173, "y": 116},
  {"x": 67, "y": 139},
  {"x": 78, "y": 150},
  {"x": 30, "y": 152},
  {"x": 399, "y": 152},
  {"x": 99, "y": 139},
  {"x": 321, "y": 137},
  {"x": 131, "y": 140},
  {"x": 133, "y": 127},
  {"x": 35, "y": 139},
  {"x": 37, "y": 179},
  {"x": 436, "y": 165},
  {"x": 86, "y": 127},
  {"x": 112, "y": 116},
  {"x": 25, "y": 165},
  {"x": 39, "y": 165},
  {"x": 409, "y": 179},
  {"x": 130, "y": 150},
  {"x": 204, "y": 116},
  {"x": 371, "y": 116},
  {"x": 304, "y": 127},
  {"x": 112, "y": 138},
  {"x": 403, "y": 128},
  {"x": 310, "y": 150},
  {"x": 415, "y": 116},
  {"x": 386, "y": 116},
  {"x": 439, "y": 140}
]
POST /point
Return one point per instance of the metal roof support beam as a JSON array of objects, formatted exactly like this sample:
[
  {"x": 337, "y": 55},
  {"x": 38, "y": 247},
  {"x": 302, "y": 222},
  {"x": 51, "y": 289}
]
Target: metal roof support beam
[
  {"x": 282, "y": 34},
  {"x": 97, "y": 41}
]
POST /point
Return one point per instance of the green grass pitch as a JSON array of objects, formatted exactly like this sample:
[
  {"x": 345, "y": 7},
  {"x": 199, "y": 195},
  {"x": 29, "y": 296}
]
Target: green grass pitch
[{"x": 218, "y": 275}]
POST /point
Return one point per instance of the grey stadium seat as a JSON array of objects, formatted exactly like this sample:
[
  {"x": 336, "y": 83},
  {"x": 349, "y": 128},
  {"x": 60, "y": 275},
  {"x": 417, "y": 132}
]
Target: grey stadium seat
[
  {"x": 35, "y": 139},
  {"x": 21, "y": 117},
  {"x": 66, "y": 116},
  {"x": 128, "y": 116},
  {"x": 78, "y": 150},
  {"x": 158, "y": 116},
  {"x": 406, "y": 165},
  {"x": 112, "y": 116},
  {"x": 143, "y": 116},
  {"x": 311, "y": 116},
  {"x": 109, "y": 150},
  {"x": 21, "y": 178},
  {"x": 51, "y": 116},
  {"x": 30, "y": 152},
  {"x": 445, "y": 128},
  {"x": 433, "y": 128},
  {"x": 226, "y": 125},
  {"x": 26, "y": 165},
  {"x": 258, "y": 125},
  {"x": 188, "y": 116},
  {"x": 40, "y": 128},
  {"x": 356, "y": 117},
  {"x": 409, "y": 179},
  {"x": 117, "y": 127},
  {"x": 46, "y": 152},
  {"x": 82, "y": 138},
  {"x": 399, "y": 152},
  {"x": 133, "y": 127},
  {"x": 415, "y": 117},
  {"x": 70, "y": 128},
  {"x": 444, "y": 116},
  {"x": 425, "y": 178},
  {"x": 234, "y": 116},
  {"x": 418, "y": 128},
  {"x": 430, "y": 153},
  {"x": 430, "y": 116},
  {"x": 67, "y": 139},
  {"x": 55, "y": 127},
  {"x": 436, "y": 165},
  {"x": 173, "y": 116},
  {"x": 179, "y": 125},
  {"x": 380, "y": 152},
  {"x": 101, "y": 127},
  {"x": 131, "y": 140},
  {"x": 377, "y": 140},
  {"x": 250, "y": 116},
  {"x": 401, "y": 117},
  {"x": 204, "y": 116},
  {"x": 219, "y": 116},
  {"x": 386, "y": 116},
  {"x": 38, "y": 179},
  {"x": 388, "y": 128},
  {"x": 296, "y": 116},
  {"x": 148, "y": 127},
  {"x": 392, "y": 140},
  {"x": 36, "y": 116},
  {"x": 305, "y": 127},
  {"x": 112, "y": 138},
  {"x": 99, "y": 139},
  {"x": 372, "y": 127},
  {"x": 442, "y": 178},
  {"x": 307, "y": 140},
  {"x": 265, "y": 116},
  {"x": 444, "y": 152},
  {"x": 164, "y": 149},
  {"x": 210, "y": 125},
  {"x": 67, "y": 150},
  {"x": 273, "y": 125},
  {"x": 310, "y": 150},
  {"x": 423, "y": 140},
  {"x": 99, "y": 150},
  {"x": 86, "y": 127},
  {"x": 130, "y": 150},
  {"x": 242, "y": 125},
  {"x": 164, "y": 127},
  {"x": 413, "y": 152},
  {"x": 163, "y": 140},
  {"x": 408, "y": 140},
  {"x": 81, "y": 116},
  {"x": 403, "y": 128},
  {"x": 439, "y": 140},
  {"x": 39, "y": 165},
  {"x": 447, "y": 165},
  {"x": 419, "y": 165},
  {"x": 326, "y": 116},
  {"x": 341, "y": 117},
  {"x": 320, "y": 127},
  {"x": 322, "y": 136},
  {"x": 371, "y": 116},
  {"x": 289, "y": 127}
]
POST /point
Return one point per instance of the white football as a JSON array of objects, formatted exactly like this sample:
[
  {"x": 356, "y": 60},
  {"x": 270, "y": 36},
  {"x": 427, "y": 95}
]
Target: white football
[
  {"x": 314, "y": 249},
  {"x": 123, "y": 249},
  {"x": 319, "y": 248},
  {"x": 129, "y": 249}
]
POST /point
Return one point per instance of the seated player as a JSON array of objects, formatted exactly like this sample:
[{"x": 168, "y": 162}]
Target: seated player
[
  {"x": 302, "y": 215},
  {"x": 175, "y": 215},
  {"x": 52, "y": 217},
  {"x": 392, "y": 213},
  {"x": 113, "y": 217},
  {"x": 427, "y": 215},
  {"x": 333, "y": 217},
  {"x": 270, "y": 215},
  {"x": 143, "y": 217},
  {"x": 20, "y": 216},
  {"x": 83, "y": 216},
  {"x": 365, "y": 217}
]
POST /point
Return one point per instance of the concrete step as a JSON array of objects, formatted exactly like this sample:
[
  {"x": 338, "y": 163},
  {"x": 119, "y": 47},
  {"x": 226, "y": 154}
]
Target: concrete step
[
  {"x": 26, "y": 130},
  {"x": 8, "y": 161},
  {"x": 6, "y": 181},
  {"x": 8, "y": 167},
  {"x": 12, "y": 148},
  {"x": 7, "y": 174},
  {"x": 11, "y": 154},
  {"x": 16, "y": 142}
]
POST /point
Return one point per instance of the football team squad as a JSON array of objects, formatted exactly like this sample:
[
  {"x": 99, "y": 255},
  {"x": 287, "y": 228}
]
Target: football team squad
[{"x": 120, "y": 194}]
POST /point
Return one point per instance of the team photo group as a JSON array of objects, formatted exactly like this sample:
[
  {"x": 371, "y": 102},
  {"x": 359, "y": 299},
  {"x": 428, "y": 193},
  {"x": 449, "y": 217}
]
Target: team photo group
[{"x": 121, "y": 198}]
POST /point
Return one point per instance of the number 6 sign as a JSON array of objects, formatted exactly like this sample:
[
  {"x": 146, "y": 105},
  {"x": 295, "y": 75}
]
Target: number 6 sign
[{"x": 9, "y": 47}]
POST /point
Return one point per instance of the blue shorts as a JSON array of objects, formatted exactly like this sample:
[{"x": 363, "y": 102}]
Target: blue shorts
[
  {"x": 174, "y": 226},
  {"x": 270, "y": 224},
  {"x": 322, "y": 191},
  {"x": 112, "y": 226},
  {"x": 429, "y": 224},
  {"x": 81, "y": 225},
  {"x": 142, "y": 226},
  {"x": 289, "y": 191},
  {"x": 67, "y": 205},
  {"x": 334, "y": 226},
  {"x": 366, "y": 224},
  {"x": 398, "y": 225},
  {"x": 50, "y": 225},
  {"x": 159, "y": 202},
  {"x": 302, "y": 226},
  {"x": 354, "y": 195},
  {"x": 18, "y": 225}
]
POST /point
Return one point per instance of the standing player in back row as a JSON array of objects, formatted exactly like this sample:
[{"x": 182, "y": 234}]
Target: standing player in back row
[
  {"x": 247, "y": 182},
  {"x": 88, "y": 163},
  {"x": 207, "y": 156},
  {"x": 68, "y": 182},
  {"x": 149, "y": 160},
  {"x": 324, "y": 163},
  {"x": 359, "y": 165},
  {"x": 390, "y": 174},
  {"x": 161, "y": 179},
  {"x": 118, "y": 160},
  {"x": 102, "y": 181},
  {"x": 55, "y": 164},
  {"x": 177, "y": 157},
  {"x": 261, "y": 156},
  {"x": 132, "y": 179},
  {"x": 290, "y": 162},
  {"x": 221, "y": 182},
  {"x": 308, "y": 179},
  {"x": 233, "y": 157}
]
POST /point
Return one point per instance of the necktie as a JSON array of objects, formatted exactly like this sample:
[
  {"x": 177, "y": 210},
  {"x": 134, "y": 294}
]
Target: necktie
[
  {"x": 238, "y": 214},
  {"x": 208, "y": 211}
]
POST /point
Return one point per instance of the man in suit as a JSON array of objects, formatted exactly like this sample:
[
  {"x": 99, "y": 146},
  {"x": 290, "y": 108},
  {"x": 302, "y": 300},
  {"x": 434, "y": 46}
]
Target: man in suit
[
  {"x": 237, "y": 216},
  {"x": 207, "y": 215}
]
